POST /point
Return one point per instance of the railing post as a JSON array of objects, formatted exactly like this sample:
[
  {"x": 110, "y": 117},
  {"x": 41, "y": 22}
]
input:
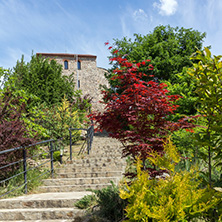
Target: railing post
[
  {"x": 51, "y": 157},
  {"x": 88, "y": 140},
  {"x": 70, "y": 143},
  {"x": 25, "y": 169},
  {"x": 90, "y": 134}
]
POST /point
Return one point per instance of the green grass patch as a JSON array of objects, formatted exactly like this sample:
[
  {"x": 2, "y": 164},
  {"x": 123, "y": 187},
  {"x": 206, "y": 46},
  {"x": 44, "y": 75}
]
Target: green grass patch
[{"x": 34, "y": 179}]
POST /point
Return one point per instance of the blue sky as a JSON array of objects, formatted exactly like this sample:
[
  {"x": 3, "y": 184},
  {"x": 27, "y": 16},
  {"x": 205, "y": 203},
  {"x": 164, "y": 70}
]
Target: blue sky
[{"x": 74, "y": 26}]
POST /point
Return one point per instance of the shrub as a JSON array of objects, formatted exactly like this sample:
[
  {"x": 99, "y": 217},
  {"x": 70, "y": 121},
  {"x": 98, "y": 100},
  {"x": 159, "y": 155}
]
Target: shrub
[
  {"x": 110, "y": 205},
  {"x": 13, "y": 132},
  {"x": 30, "y": 113},
  {"x": 59, "y": 118},
  {"x": 87, "y": 202},
  {"x": 56, "y": 156},
  {"x": 177, "y": 197}
]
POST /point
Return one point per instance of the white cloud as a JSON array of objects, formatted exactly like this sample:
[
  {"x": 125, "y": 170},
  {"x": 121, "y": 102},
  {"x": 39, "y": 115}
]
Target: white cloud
[
  {"x": 166, "y": 7},
  {"x": 139, "y": 15},
  {"x": 125, "y": 25}
]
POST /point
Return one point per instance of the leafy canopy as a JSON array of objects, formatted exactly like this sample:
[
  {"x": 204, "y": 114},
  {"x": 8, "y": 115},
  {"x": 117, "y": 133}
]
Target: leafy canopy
[
  {"x": 169, "y": 49},
  {"x": 207, "y": 74},
  {"x": 42, "y": 78}
]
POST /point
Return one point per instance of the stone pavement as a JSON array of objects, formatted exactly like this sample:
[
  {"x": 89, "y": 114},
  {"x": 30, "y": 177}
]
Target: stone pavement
[{"x": 56, "y": 198}]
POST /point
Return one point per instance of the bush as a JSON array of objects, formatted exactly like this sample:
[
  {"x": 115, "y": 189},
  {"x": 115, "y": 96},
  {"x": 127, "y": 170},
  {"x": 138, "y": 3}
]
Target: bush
[
  {"x": 110, "y": 205},
  {"x": 177, "y": 197},
  {"x": 58, "y": 119},
  {"x": 87, "y": 202},
  {"x": 13, "y": 132},
  {"x": 56, "y": 156}
]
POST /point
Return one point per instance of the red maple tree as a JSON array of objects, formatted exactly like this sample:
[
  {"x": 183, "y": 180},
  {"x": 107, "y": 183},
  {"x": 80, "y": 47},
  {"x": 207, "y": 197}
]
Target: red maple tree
[{"x": 137, "y": 113}]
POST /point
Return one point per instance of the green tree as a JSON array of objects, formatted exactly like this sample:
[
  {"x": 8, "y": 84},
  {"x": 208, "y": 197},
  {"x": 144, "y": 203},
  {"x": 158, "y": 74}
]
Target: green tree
[
  {"x": 208, "y": 76},
  {"x": 168, "y": 48},
  {"x": 3, "y": 76},
  {"x": 42, "y": 78},
  {"x": 184, "y": 86}
]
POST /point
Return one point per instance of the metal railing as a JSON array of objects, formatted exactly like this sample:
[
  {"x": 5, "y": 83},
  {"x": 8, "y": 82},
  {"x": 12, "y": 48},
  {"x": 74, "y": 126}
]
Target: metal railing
[
  {"x": 23, "y": 163},
  {"x": 87, "y": 144}
]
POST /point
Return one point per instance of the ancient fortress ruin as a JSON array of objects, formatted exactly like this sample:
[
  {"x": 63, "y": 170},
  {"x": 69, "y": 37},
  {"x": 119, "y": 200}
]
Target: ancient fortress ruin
[{"x": 87, "y": 75}]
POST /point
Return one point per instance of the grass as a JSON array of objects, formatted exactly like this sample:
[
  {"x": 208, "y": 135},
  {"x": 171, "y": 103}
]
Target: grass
[
  {"x": 87, "y": 202},
  {"x": 34, "y": 179}
]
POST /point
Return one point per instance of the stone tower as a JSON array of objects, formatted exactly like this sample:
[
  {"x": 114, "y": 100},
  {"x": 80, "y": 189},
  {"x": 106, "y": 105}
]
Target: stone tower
[{"x": 88, "y": 77}]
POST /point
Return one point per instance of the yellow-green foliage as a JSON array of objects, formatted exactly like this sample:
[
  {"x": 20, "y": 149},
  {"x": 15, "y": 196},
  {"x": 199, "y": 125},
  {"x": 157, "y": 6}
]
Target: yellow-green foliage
[
  {"x": 65, "y": 113},
  {"x": 59, "y": 118},
  {"x": 168, "y": 160},
  {"x": 176, "y": 197},
  {"x": 67, "y": 118}
]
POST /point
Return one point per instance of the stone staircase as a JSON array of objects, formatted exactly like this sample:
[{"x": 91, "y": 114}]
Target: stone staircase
[
  {"x": 41, "y": 207},
  {"x": 56, "y": 198}
]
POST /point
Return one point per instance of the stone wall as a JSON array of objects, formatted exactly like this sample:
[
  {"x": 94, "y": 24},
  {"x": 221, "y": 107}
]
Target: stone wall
[{"x": 90, "y": 77}]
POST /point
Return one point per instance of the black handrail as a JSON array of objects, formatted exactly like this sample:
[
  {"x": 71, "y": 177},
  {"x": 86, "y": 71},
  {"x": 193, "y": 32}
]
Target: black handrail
[
  {"x": 22, "y": 147},
  {"x": 24, "y": 160},
  {"x": 88, "y": 139}
]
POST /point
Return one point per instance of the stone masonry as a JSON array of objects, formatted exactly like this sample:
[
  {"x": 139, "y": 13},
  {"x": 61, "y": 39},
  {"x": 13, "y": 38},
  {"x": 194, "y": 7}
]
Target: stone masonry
[{"x": 90, "y": 77}]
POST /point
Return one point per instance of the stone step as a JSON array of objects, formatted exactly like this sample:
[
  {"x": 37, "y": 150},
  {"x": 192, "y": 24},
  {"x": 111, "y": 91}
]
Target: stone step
[
  {"x": 86, "y": 166},
  {"x": 60, "y": 220},
  {"x": 104, "y": 146},
  {"x": 107, "y": 148},
  {"x": 95, "y": 159},
  {"x": 43, "y": 200},
  {"x": 105, "y": 154},
  {"x": 106, "y": 143},
  {"x": 56, "y": 198},
  {"x": 39, "y": 214},
  {"x": 90, "y": 170},
  {"x": 90, "y": 174},
  {"x": 72, "y": 188},
  {"x": 79, "y": 181},
  {"x": 88, "y": 163}
]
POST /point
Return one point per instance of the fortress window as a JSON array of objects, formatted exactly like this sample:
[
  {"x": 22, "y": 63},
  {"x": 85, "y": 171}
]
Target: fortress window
[
  {"x": 66, "y": 64},
  {"x": 79, "y": 65}
]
